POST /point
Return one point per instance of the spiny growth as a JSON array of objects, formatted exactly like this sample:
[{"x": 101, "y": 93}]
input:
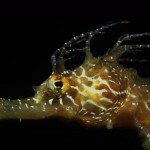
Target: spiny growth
[{"x": 100, "y": 92}]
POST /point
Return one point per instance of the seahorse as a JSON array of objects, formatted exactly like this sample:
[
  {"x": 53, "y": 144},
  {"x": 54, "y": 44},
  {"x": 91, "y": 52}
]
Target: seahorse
[{"x": 99, "y": 92}]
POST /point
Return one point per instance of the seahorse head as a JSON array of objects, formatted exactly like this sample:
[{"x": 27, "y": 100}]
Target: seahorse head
[{"x": 92, "y": 92}]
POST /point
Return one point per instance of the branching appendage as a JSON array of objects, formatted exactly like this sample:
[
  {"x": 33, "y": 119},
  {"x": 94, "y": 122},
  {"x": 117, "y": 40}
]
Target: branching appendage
[
  {"x": 100, "y": 92},
  {"x": 75, "y": 40},
  {"x": 118, "y": 50}
]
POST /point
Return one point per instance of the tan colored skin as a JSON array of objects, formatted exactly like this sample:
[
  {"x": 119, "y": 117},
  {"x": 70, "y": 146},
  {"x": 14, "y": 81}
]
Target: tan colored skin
[{"x": 100, "y": 92}]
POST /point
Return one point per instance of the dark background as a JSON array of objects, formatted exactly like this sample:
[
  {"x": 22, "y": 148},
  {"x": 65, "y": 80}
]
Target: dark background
[{"x": 26, "y": 44}]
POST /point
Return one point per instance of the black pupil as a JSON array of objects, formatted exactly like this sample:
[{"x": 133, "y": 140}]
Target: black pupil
[{"x": 59, "y": 84}]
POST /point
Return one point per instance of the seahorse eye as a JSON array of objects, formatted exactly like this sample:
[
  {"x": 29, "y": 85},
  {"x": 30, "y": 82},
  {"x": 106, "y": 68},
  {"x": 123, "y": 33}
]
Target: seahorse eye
[{"x": 58, "y": 84}]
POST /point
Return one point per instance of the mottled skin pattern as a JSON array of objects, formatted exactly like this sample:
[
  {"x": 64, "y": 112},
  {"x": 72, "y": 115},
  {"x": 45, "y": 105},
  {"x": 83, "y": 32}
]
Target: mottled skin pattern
[{"x": 100, "y": 92}]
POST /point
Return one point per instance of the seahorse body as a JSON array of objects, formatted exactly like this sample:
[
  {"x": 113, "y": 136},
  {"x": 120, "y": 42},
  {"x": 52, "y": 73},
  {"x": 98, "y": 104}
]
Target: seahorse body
[{"x": 100, "y": 92}]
